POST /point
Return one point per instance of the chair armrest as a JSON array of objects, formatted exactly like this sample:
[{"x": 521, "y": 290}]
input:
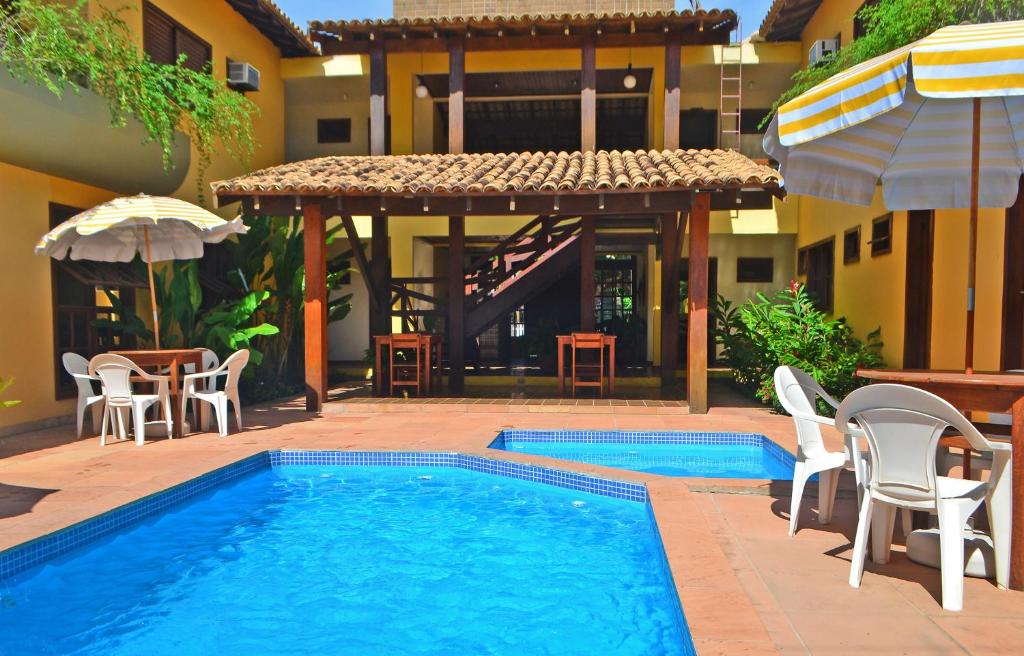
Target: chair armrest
[{"x": 84, "y": 377}]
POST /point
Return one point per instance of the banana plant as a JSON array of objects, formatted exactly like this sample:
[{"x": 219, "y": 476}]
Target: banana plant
[
  {"x": 5, "y": 383},
  {"x": 228, "y": 325}
]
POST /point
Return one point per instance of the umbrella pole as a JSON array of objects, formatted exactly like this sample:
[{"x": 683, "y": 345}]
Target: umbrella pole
[
  {"x": 152, "y": 287},
  {"x": 972, "y": 238}
]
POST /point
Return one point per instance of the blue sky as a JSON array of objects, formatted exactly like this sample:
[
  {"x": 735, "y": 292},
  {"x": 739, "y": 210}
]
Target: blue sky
[{"x": 751, "y": 12}]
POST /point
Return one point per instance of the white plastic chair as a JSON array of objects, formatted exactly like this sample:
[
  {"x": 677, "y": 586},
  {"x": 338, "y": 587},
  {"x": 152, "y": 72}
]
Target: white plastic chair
[
  {"x": 210, "y": 362},
  {"x": 797, "y": 392},
  {"x": 115, "y": 372},
  {"x": 201, "y": 386},
  {"x": 903, "y": 426},
  {"x": 78, "y": 368}
]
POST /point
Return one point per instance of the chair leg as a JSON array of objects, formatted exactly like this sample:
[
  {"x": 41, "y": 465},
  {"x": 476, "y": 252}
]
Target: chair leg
[
  {"x": 168, "y": 421},
  {"x": 882, "y": 525},
  {"x": 80, "y": 419},
  {"x": 222, "y": 416},
  {"x": 799, "y": 481},
  {"x": 97, "y": 414},
  {"x": 103, "y": 429},
  {"x": 139, "y": 416},
  {"x": 860, "y": 542},
  {"x": 828, "y": 483},
  {"x": 238, "y": 411},
  {"x": 951, "y": 555},
  {"x": 907, "y": 521}
]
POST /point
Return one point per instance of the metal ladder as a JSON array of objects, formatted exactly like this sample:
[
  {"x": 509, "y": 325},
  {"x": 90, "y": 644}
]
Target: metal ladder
[{"x": 730, "y": 101}]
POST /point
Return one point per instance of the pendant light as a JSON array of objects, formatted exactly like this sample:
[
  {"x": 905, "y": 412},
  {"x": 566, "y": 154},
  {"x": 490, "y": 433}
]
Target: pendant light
[
  {"x": 629, "y": 81},
  {"x": 421, "y": 89}
]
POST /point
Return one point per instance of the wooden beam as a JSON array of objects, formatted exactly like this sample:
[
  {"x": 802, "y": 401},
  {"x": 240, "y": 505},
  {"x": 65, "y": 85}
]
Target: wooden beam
[
  {"x": 672, "y": 66},
  {"x": 599, "y": 203},
  {"x": 456, "y": 302},
  {"x": 380, "y": 276},
  {"x": 588, "y": 246},
  {"x": 670, "y": 239},
  {"x": 588, "y": 96},
  {"x": 378, "y": 99},
  {"x": 314, "y": 248},
  {"x": 697, "y": 291},
  {"x": 359, "y": 255},
  {"x": 456, "y": 91}
]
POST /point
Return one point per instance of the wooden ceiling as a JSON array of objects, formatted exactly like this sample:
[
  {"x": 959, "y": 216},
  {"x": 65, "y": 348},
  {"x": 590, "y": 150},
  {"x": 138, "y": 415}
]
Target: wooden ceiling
[
  {"x": 786, "y": 19},
  {"x": 538, "y": 83}
]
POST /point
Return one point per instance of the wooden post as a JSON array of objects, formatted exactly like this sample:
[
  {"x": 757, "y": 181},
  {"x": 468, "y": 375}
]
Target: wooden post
[
  {"x": 314, "y": 247},
  {"x": 456, "y": 302},
  {"x": 972, "y": 235},
  {"x": 456, "y": 90},
  {"x": 380, "y": 273},
  {"x": 670, "y": 240},
  {"x": 697, "y": 347},
  {"x": 378, "y": 99},
  {"x": 672, "y": 65},
  {"x": 588, "y": 96},
  {"x": 588, "y": 244}
]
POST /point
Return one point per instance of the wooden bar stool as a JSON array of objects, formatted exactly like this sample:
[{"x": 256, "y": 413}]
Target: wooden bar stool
[
  {"x": 407, "y": 371},
  {"x": 587, "y": 373}
]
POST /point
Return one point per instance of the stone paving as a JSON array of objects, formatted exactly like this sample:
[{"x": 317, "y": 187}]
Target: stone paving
[{"x": 746, "y": 587}]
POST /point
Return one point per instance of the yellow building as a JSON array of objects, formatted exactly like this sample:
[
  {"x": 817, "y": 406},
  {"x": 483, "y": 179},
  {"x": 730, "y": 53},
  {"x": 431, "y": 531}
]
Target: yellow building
[
  {"x": 905, "y": 272},
  {"x": 523, "y": 92},
  {"x": 60, "y": 155}
]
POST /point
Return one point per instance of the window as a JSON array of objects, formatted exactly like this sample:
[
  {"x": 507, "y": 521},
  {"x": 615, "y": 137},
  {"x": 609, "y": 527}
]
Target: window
[
  {"x": 164, "y": 40},
  {"x": 859, "y": 28},
  {"x": 881, "y": 235},
  {"x": 755, "y": 269},
  {"x": 333, "y": 130},
  {"x": 851, "y": 245},
  {"x": 750, "y": 120},
  {"x": 614, "y": 287},
  {"x": 819, "y": 260},
  {"x": 517, "y": 322},
  {"x": 698, "y": 128}
]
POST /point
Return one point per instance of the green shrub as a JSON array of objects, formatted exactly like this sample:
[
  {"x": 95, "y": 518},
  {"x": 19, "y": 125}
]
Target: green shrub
[{"x": 787, "y": 329}]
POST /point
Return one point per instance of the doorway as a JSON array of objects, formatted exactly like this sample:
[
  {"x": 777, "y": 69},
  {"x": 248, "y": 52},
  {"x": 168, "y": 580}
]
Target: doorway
[
  {"x": 917, "y": 319},
  {"x": 1012, "y": 352}
]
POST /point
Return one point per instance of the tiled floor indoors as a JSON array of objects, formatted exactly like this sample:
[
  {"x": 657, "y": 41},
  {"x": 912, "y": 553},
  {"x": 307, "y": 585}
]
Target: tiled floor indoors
[{"x": 745, "y": 586}]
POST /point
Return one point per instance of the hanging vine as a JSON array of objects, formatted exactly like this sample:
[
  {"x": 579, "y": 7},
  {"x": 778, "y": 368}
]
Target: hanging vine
[{"x": 52, "y": 44}]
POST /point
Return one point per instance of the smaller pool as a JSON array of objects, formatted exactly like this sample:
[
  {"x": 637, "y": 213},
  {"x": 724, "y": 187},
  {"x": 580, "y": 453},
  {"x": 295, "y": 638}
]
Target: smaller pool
[{"x": 668, "y": 453}]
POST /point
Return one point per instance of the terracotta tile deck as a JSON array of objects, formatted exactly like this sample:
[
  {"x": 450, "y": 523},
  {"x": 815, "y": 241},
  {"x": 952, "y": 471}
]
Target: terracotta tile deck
[{"x": 745, "y": 586}]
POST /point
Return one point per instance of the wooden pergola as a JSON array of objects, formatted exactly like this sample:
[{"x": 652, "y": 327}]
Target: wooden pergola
[{"x": 679, "y": 187}]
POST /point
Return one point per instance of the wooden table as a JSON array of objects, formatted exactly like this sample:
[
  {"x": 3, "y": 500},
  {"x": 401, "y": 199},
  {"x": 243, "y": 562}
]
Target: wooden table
[
  {"x": 987, "y": 392},
  {"x": 173, "y": 360},
  {"x": 564, "y": 341},
  {"x": 433, "y": 344}
]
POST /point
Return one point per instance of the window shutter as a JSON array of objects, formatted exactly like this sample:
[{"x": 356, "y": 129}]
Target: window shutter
[
  {"x": 157, "y": 36},
  {"x": 197, "y": 53}
]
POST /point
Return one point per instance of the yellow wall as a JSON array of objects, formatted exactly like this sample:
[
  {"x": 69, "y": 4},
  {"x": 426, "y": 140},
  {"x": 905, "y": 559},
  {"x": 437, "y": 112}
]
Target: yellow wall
[
  {"x": 26, "y": 329},
  {"x": 230, "y": 37},
  {"x": 832, "y": 17},
  {"x": 26, "y": 337},
  {"x": 949, "y": 295}
]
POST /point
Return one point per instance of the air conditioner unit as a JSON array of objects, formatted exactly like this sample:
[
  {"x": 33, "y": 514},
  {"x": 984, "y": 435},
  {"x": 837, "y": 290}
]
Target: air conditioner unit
[
  {"x": 821, "y": 49},
  {"x": 243, "y": 76}
]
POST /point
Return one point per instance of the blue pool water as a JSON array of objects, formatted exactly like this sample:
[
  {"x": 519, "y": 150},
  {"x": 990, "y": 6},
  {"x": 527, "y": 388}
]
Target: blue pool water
[
  {"x": 360, "y": 560},
  {"x": 695, "y": 455}
]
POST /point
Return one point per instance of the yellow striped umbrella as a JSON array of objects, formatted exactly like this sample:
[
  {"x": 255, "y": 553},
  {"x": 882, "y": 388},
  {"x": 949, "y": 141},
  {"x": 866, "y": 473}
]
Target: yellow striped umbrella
[
  {"x": 155, "y": 227},
  {"x": 939, "y": 123}
]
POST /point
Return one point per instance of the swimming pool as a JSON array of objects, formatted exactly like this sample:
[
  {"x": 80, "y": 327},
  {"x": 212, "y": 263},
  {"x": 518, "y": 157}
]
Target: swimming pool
[
  {"x": 668, "y": 453},
  {"x": 391, "y": 553}
]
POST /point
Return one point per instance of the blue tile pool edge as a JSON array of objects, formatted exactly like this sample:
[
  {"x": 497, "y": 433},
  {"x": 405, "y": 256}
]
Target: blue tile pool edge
[
  {"x": 37, "y": 551},
  {"x": 642, "y": 437}
]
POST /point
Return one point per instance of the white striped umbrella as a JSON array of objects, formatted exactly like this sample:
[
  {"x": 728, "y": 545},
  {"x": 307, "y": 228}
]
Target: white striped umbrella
[
  {"x": 155, "y": 227},
  {"x": 939, "y": 123}
]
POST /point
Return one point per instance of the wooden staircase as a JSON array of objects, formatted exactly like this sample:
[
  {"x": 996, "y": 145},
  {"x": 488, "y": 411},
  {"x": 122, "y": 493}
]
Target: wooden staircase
[{"x": 519, "y": 267}]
